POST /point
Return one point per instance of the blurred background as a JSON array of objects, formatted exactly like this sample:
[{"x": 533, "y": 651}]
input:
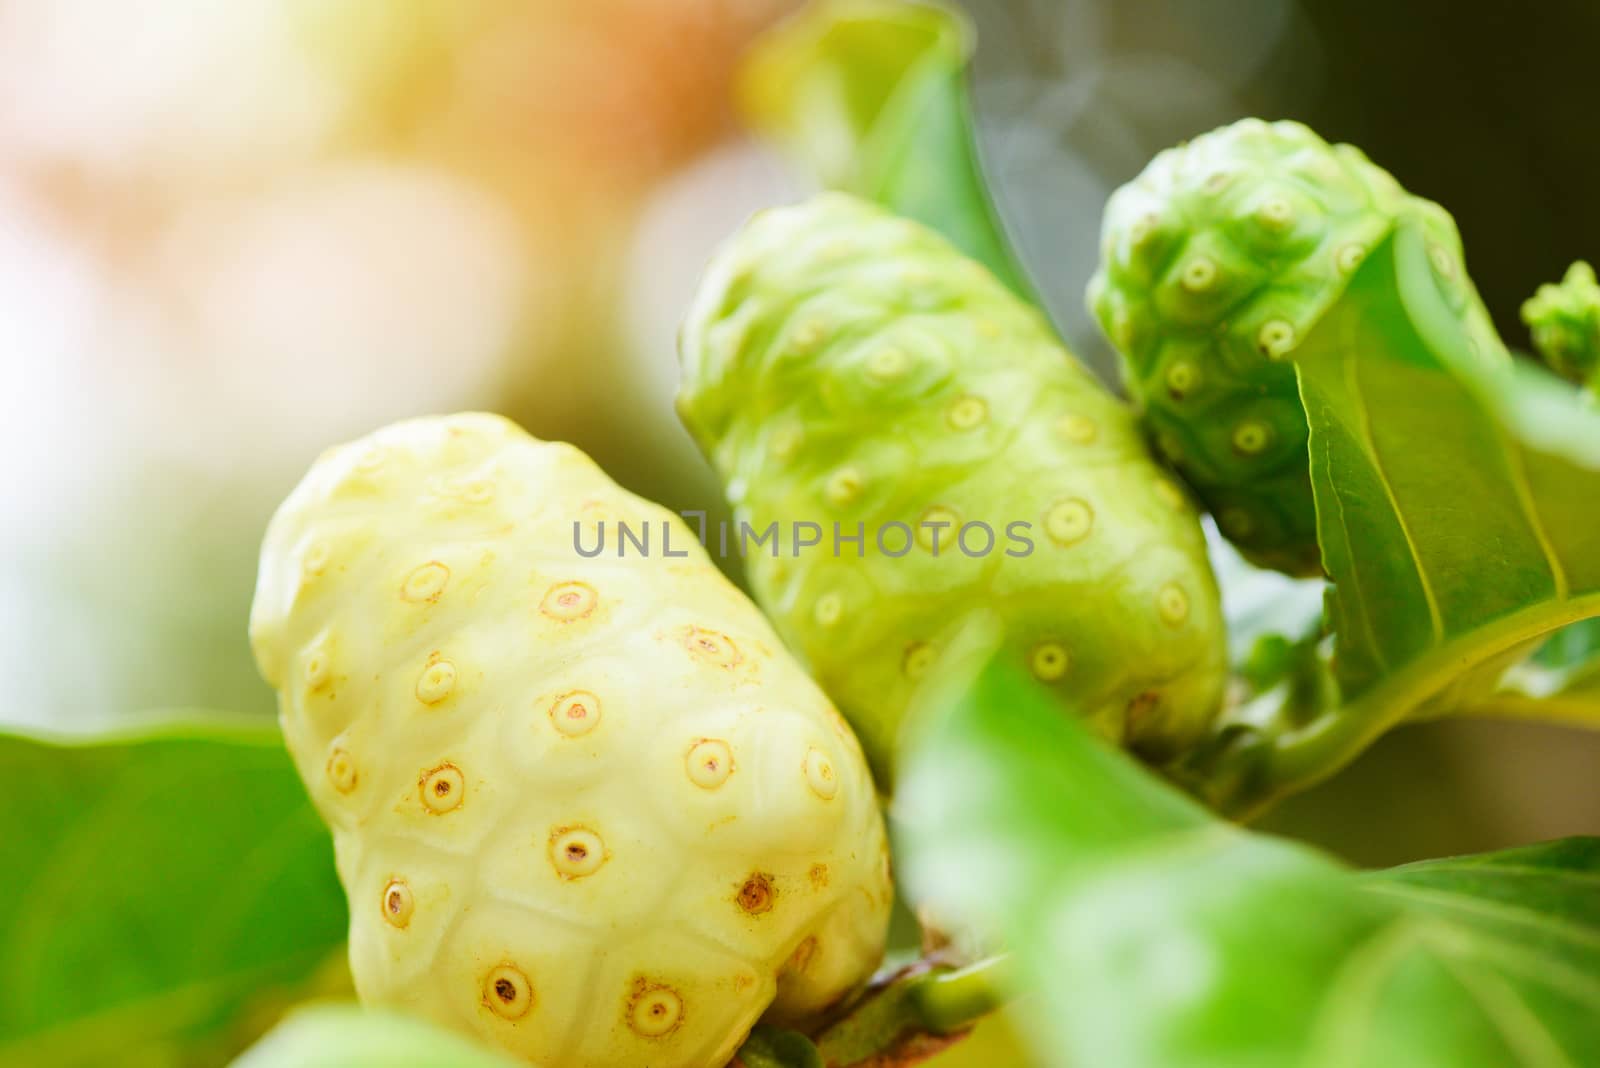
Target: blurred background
[{"x": 232, "y": 234}]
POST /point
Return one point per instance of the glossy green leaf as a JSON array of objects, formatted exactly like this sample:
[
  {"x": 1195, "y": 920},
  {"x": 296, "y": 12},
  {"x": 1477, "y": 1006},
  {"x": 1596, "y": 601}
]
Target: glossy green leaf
[
  {"x": 1455, "y": 511},
  {"x": 348, "y": 1036},
  {"x": 1560, "y": 683},
  {"x": 161, "y": 883},
  {"x": 1149, "y": 933},
  {"x": 872, "y": 95}
]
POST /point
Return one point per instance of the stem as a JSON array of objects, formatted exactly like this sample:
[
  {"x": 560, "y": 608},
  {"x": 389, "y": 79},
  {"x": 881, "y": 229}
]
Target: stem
[
  {"x": 915, "y": 1013},
  {"x": 954, "y": 1001}
]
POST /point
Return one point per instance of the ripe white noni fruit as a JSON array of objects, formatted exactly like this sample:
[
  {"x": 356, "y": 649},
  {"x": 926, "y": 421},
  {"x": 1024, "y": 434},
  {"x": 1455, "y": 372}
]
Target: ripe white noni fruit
[{"x": 586, "y": 808}]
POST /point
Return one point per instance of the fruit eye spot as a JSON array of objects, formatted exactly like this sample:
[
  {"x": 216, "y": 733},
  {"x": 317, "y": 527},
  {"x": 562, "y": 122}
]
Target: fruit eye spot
[
  {"x": 1048, "y": 661},
  {"x": 1199, "y": 275},
  {"x": 576, "y": 852},
  {"x": 712, "y": 647},
  {"x": 967, "y": 412},
  {"x": 341, "y": 771},
  {"x": 828, "y": 609},
  {"x": 1143, "y": 229},
  {"x": 575, "y": 713},
  {"x": 843, "y": 486},
  {"x": 1250, "y": 438},
  {"x": 1182, "y": 378},
  {"x": 655, "y": 1011},
  {"x": 315, "y": 560},
  {"x": 917, "y": 660},
  {"x": 888, "y": 363},
  {"x": 709, "y": 763},
  {"x": 397, "y": 903},
  {"x": 507, "y": 992},
  {"x": 820, "y": 775},
  {"x": 756, "y": 895},
  {"x": 1172, "y": 604},
  {"x": 1078, "y": 429},
  {"x": 437, "y": 681},
  {"x": 567, "y": 601},
  {"x": 441, "y": 789},
  {"x": 1069, "y": 522},
  {"x": 425, "y": 583},
  {"x": 1276, "y": 213},
  {"x": 1275, "y": 338},
  {"x": 936, "y": 527},
  {"x": 318, "y": 669}
]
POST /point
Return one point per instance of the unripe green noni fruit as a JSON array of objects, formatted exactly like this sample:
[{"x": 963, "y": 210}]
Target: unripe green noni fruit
[
  {"x": 1564, "y": 320},
  {"x": 588, "y": 809},
  {"x": 846, "y": 366},
  {"x": 1216, "y": 262}
]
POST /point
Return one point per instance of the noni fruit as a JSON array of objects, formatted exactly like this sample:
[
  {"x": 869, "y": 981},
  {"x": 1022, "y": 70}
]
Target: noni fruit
[
  {"x": 586, "y": 807},
  {"x": 856, "y": 379},
  {"x": 1564, "y": 320},
  {"x": 1216, "y": 262}
]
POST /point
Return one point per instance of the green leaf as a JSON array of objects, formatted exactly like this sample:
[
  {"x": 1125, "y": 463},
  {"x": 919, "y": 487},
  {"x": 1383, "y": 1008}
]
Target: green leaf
[
  {"x": 1454, "y": 491},
  {"x": 1560, "y": 683},
  {"x": 161, "y": 881},
  {"x": 872, "y": 94},
  {"x": 348, "y": 1036},
  {"x": 1151, "y": 933}
]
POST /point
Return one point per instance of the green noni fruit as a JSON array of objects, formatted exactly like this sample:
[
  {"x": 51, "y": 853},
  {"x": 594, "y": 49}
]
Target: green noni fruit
[
  {"x": 587, "y": 808},
  {"x": 1564, "y": 320},
  {"x": 1216, "y": 262},
  {"x": 849, "y": 369}
]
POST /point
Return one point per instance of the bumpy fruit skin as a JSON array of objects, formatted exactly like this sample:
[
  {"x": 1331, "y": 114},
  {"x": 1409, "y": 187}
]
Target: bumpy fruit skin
[
  {"x": 588, "y": 809},
  {"x": 1564, "y": 320},
  {"x": 845, "y": 366},
  {"x": 1216, "y": 262}
]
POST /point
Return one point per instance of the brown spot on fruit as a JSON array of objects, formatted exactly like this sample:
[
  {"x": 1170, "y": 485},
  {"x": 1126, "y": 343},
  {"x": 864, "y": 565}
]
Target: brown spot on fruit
[
  {"x": 756, "y": 896},
  {"x": 818, "y": 875},
  {"x": 398, "y": 904},
  {"x": 576, "y": 852},
  {"x": 442, "y": 789},
  {"x": 655, "y": 1009},
  {"x": 507, "y": 992}
]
